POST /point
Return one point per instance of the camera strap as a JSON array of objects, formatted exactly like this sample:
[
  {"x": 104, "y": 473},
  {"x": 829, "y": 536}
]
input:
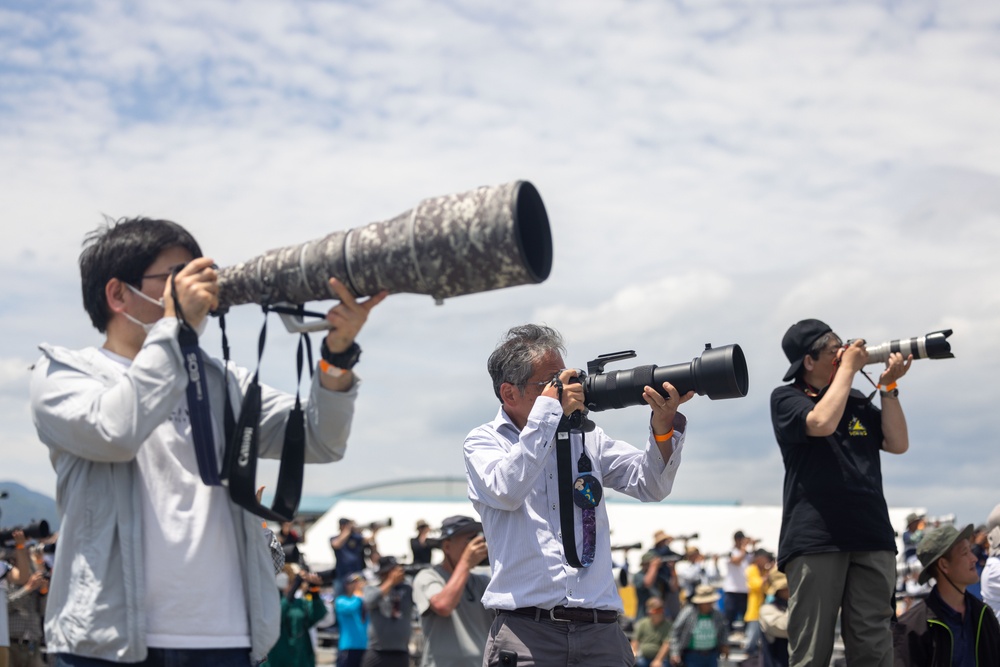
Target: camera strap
[
  {"x": 243, "y": 439},
  {"x": 199, "y": 409},
  {"x": 585, "y": 492}
]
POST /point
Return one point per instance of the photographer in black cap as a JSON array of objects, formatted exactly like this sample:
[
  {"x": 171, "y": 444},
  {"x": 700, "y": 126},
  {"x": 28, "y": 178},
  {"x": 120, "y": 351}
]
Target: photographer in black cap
[
  {"x": 951, "y": 626},
  {"x": 449, "y": 597},
  {"x": 837, "y": 545}
]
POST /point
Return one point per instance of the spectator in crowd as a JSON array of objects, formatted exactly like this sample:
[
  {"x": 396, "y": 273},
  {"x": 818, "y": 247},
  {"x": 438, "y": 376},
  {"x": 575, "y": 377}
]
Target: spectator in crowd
[
  {"x": 352, "y": 619},
  {"x": 915, "y": 524},
  {"x": 991, "y": 571},
  {"x": 5, "y": 569},
  {"x": 448, "y": 597},
  {"x": 695, "y": 570},
  {"x": 980, "y": 549},
  {"x": 351, "y": 548},
  {"x": 837, "y": 546},
  {"x": 700, "y": 632},
  {"x": 735, "y": 583},
  {"x": 421, "y": 550},
  {"x": 25, "y": 608},
  {"x": 667, "y": 586},
  {"x": 757, "y": 578},
  {"x": 651, "y": 636},
  {"x": 289, "y": 538},
  {"x": 512, "y": 468},
  {"x": 949, "y": 626},
  {"x": 656, "y": 578},
  {"x": 301, "y": 609},
  {"x": 174, "y": 569},
  {"x": 774, "y": 621},
  {"x": 13, "y": 576},
  {"x": 389, "y": 605}
]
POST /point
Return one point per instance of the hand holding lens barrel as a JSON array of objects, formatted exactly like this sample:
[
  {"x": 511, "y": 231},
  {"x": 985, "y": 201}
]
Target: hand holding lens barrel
[
  {"x": 664, "y": 407},
  {"x": 895, "y": 368}
]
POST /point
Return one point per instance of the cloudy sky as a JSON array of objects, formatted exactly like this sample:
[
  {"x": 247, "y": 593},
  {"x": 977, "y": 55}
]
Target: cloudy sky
[{"x": 713, "y": 172}]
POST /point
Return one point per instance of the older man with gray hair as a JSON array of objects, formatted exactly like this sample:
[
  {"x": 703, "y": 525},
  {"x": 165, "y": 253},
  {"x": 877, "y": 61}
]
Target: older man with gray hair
[{"x": 536, "y": 481}]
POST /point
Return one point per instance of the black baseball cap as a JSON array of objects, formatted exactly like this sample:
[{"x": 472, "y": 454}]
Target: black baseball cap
[
  {"x": 798, "y": 340},
  {"x": 455, "y": 525}
]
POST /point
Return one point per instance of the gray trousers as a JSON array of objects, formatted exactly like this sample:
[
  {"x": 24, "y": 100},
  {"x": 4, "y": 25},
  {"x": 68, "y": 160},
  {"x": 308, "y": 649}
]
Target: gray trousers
[
  {"x": 547, "y": 643},
  {"x": 860, "y": 585}
]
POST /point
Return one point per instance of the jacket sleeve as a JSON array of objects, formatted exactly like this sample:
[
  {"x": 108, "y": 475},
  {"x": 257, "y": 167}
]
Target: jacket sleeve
[
  {"x": 85, "y": 415},
  {"x": 328, "y": 416},
  {"x": 774, "y": 622}
]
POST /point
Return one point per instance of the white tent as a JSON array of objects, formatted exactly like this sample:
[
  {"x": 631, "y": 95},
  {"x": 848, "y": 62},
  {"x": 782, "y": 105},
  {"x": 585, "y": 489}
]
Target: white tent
[{"x": 631, "y": 521}]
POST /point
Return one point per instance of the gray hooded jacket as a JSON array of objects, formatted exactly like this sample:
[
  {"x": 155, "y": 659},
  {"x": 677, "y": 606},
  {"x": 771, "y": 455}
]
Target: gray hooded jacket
[{"x": 93, "y": 420}]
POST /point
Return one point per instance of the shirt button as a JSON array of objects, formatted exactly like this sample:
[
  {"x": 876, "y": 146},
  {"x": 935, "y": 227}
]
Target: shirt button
[
  {"x": 553, "y": 507},
  {"x": 571, "y": 592},
  {"x": 550, "y": 475}
]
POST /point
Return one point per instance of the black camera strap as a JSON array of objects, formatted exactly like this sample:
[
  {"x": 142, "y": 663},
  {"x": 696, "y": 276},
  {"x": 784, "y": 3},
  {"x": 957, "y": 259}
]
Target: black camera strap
[
  {"x": 199, "y": 409},
  {"x": 585, "y": 492},
  {"x": 244, "y": 444}
]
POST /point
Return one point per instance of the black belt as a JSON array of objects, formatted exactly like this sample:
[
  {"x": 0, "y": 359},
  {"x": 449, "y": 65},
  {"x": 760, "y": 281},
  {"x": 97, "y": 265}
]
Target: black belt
[{"x": 568, "y": 614}]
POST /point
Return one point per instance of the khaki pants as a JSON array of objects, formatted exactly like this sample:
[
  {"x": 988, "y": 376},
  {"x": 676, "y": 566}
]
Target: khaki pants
[
  {"x": 547, "y": 643},
  {"x": 860, "y": 586},
  {"x": 4, "y": 657}
]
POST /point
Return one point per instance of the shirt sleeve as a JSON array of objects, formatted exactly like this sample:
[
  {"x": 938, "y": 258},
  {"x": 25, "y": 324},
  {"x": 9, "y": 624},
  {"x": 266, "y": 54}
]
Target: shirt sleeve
[
  {"x": 425, "y": 586},
  {"x": 644, "y": 475},
  {"x": 501, "y": 473},
  {"x": 107, "y": 422},
  {"x": 789, "y": 408}
]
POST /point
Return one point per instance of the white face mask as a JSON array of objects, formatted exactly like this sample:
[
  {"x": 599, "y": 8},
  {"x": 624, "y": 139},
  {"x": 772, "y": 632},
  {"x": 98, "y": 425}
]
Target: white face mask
[
  {"x": 156, "y": 302},
  {"x": 200, "y": 329}
]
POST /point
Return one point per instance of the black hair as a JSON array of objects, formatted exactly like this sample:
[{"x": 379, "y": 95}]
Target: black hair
[{"x": 124, "y": 249}]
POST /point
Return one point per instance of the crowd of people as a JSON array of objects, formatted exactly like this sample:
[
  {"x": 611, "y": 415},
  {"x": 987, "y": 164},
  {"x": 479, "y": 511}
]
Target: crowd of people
[{"x": 162, "y": 559}]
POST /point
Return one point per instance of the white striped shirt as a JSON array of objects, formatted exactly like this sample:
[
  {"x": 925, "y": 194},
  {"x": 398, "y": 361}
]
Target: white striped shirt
[{"x": 513, "y": 484}]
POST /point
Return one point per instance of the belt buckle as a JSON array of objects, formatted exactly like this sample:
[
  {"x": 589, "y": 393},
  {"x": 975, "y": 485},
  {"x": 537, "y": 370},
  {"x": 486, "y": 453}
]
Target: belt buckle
[{"x": 552, "y": 617}]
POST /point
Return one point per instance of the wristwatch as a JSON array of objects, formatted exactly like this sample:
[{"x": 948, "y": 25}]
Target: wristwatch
[
  {"x": 892, "y": 393},
  {"x": 345, "y": 360}
]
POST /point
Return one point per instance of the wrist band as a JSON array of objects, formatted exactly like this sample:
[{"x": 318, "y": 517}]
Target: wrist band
[
  {"x": 18, "y": 546},
  {"x": 889, "y": 387},
  {"x": 326, "y": 368},
  {"x": 665, "y": 437}
]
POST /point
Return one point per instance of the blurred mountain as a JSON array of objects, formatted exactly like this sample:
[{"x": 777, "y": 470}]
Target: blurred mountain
[{"x": 23, "y": 506}]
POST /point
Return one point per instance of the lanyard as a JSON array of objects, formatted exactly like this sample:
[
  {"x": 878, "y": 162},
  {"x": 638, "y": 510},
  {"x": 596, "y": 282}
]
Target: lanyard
[
  {"x": 239, "y": 469},
  {"x": 585, "y": 492},
  {"x": 243, "y": 437}
]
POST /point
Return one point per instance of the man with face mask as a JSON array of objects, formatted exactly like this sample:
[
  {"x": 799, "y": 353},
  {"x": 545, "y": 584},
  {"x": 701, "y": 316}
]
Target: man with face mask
[{"x": 154, "y": 566}]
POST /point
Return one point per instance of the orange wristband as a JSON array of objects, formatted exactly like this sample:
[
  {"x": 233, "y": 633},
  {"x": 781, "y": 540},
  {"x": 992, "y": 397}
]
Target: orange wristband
[
  {"x": 665, "y": 437},
  {"x": 326, "y": 368},
  {"x": 888, "y": 387},
  {"x": 18, "y": 546}
]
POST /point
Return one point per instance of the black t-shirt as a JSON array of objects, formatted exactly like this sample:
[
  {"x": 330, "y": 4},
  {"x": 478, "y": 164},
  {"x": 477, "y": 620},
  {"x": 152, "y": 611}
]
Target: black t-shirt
[
  {"x": 421, "y": 552},
  {"x": 832, "y": 498}
]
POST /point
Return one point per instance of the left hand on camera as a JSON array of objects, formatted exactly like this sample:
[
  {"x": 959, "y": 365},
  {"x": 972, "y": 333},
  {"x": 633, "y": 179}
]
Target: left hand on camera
[
  {"x": 895, "y": 368},
  {"x": 348, "y": 316},
  {"x": 664, "y": 407}
]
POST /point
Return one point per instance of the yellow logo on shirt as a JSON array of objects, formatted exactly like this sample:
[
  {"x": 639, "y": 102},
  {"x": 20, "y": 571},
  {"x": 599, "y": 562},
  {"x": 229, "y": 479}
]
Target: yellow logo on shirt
[{"x": 856, "y": 428}]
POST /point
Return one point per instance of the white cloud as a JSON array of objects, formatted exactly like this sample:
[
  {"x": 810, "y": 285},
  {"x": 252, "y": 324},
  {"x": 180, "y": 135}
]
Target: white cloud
[{"x": 712, "y": 171}]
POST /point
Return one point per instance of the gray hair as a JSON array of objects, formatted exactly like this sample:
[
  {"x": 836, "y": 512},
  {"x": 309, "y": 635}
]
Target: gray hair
[{"x": 513, "y": 359}]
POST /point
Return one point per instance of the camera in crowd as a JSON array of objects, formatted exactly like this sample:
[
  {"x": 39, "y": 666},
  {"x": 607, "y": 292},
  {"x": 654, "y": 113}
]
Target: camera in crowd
[
  {"x": 378, "y": 525},
  {"x": 38, "y": 530}
]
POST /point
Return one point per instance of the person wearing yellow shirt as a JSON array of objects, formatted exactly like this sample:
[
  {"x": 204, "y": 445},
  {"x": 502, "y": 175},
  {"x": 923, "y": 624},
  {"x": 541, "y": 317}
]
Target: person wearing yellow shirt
[{"x": 757, "y": 576}]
